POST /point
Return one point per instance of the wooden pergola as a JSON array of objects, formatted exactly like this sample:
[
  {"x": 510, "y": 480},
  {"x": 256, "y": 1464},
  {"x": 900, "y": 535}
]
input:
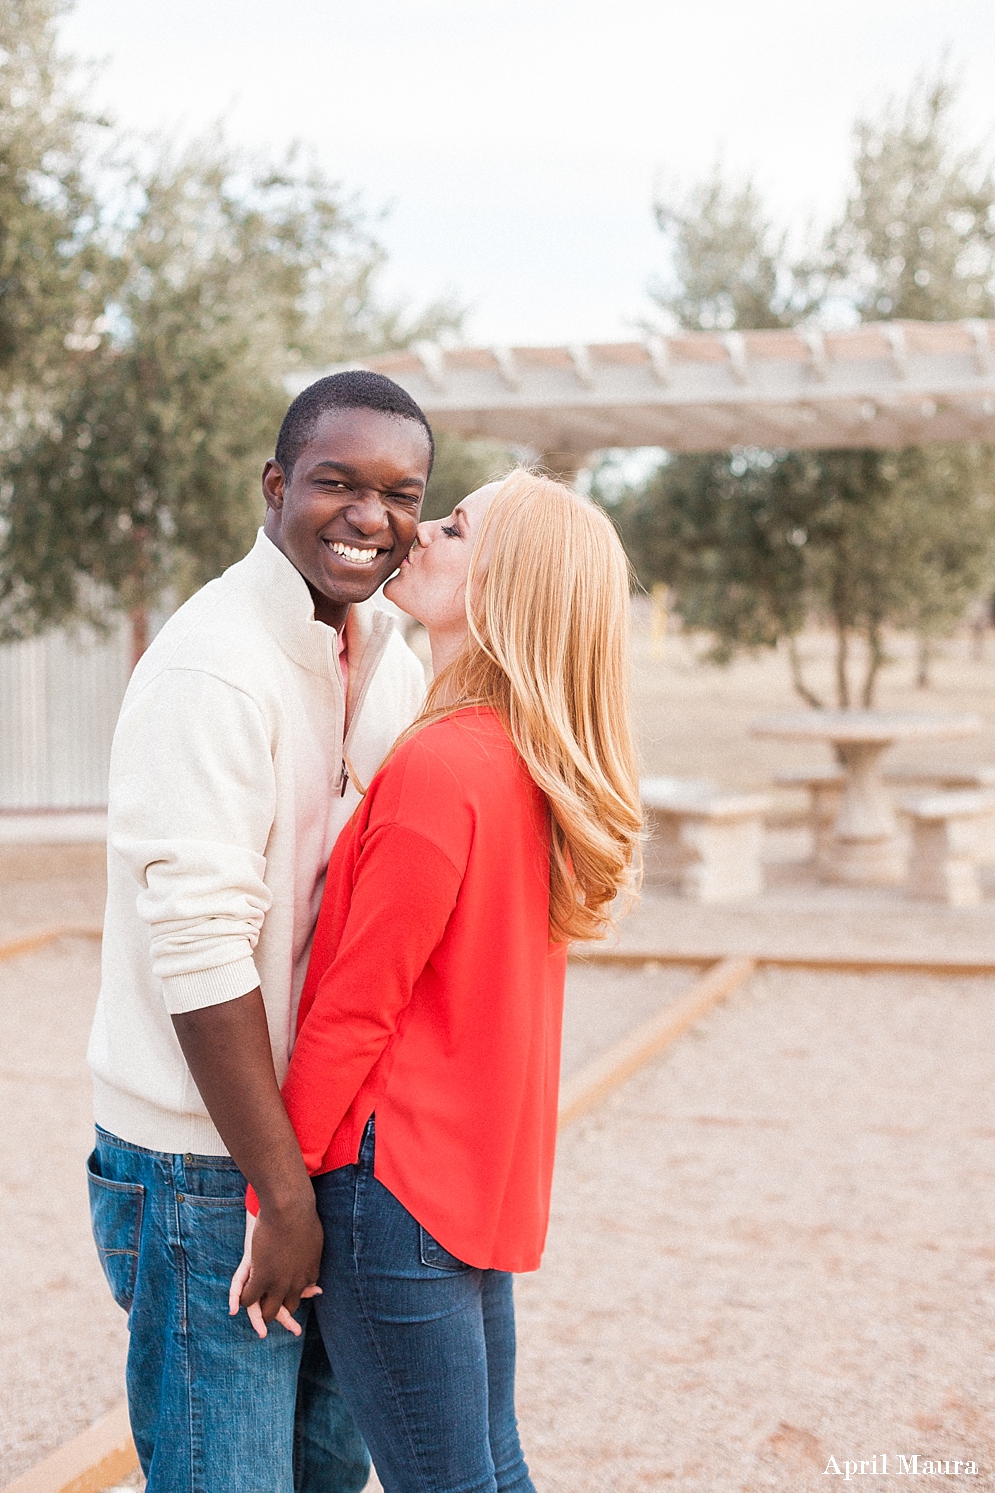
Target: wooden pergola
[{"x": 885, "y": 384}]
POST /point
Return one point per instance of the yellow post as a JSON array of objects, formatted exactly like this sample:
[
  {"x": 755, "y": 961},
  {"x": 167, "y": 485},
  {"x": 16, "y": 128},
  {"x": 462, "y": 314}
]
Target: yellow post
[{"x": 659, "y": 603}]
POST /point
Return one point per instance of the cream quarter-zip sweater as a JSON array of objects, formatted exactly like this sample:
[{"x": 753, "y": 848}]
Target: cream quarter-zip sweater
[{"x": 231, "y": 776}]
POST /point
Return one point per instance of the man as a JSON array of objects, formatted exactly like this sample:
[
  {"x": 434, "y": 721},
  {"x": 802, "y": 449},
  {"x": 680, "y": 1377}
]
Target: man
[{"x": 248, "y": 733}]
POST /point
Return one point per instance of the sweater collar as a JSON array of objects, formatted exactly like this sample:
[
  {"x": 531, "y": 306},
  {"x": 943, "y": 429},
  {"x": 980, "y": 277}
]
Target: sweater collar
[{"x": 282, "y": 592}]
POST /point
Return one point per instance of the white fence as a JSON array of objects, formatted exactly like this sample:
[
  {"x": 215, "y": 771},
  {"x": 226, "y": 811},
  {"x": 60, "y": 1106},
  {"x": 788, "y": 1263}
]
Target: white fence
[{"x": 59, "y": 700}]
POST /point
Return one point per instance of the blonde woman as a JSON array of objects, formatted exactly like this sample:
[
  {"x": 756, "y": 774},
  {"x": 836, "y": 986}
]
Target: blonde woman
[{"x": 423, "y": 1084}]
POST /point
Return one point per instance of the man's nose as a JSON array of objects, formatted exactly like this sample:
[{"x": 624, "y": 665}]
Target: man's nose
[{"x": 367, "y": 512}]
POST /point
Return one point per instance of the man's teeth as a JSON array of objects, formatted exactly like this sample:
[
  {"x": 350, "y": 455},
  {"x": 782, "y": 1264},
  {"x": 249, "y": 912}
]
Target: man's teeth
[{"x": 358, "y": 557}]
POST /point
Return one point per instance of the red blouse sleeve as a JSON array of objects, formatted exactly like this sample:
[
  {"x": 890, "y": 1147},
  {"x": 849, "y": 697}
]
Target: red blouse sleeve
[{"x": 404, "y": 892}]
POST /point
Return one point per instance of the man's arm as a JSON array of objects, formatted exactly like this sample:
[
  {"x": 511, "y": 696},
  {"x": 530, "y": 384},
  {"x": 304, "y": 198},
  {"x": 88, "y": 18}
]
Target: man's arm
[{"x": 227, "y": 1048}]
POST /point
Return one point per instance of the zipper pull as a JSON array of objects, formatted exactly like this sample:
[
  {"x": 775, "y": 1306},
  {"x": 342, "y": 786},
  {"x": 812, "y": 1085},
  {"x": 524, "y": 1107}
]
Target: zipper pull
[{"x": 344, "y": 779}]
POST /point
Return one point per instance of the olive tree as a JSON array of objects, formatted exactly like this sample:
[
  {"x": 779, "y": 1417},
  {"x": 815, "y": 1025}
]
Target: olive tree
[
  {"x": 755, "y": 542},
  {"x": 140, "y": 475}
]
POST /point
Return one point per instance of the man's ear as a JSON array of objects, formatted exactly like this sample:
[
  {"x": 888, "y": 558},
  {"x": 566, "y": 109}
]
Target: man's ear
[{"x": 274, "y": 485}]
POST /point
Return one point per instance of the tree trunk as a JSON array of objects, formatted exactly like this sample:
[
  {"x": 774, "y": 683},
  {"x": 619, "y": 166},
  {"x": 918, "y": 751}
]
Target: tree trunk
[
  {"x": 797, "y": 679},
  {"x": 138, "y": 613},
  {"x": 842, "y": 659},
  {"x": 924, "y": 660},
  {"x": 877, "y": 657},
  {"x": 138, "y": 618}
]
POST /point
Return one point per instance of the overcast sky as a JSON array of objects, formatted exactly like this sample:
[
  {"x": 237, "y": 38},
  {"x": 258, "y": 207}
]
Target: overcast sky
[{"x": 518, "y": 142}]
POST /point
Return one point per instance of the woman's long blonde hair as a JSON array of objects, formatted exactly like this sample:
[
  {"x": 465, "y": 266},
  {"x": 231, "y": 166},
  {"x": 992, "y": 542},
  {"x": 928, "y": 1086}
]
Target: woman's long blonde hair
[{"x": 548, "y": 651}]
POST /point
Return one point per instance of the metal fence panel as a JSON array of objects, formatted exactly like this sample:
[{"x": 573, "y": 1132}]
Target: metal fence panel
[{"x": 59, "y": 700}]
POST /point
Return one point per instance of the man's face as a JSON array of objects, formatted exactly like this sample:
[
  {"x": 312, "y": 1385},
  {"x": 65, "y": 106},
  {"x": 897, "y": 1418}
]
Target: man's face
[{"x": 349, "y": 514}]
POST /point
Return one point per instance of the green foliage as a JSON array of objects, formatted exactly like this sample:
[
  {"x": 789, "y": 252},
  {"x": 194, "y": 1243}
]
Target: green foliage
[
  {"x": 143, "y": 472},
  {"x": 133, "y": 451},
  {"x": 49, "y": 261},
  {"x": 461, "y": 466},
  {"x": 729, "y": 266},
  {"x": 753, "y": 543},
  {"x": 718, "y": 529},
  {"x": 917, "y": 236}
]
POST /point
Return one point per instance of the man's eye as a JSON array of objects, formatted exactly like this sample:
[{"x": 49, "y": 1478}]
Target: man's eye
[{"x": 451, "y": 530}]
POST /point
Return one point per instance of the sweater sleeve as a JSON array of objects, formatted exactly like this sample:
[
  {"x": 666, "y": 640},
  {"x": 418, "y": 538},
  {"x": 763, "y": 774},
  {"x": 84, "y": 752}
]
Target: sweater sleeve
[
  {"x": 404, "y": 891},
  {"x": 192, "y": 801}
]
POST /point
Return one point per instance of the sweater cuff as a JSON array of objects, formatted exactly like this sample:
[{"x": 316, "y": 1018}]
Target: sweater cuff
[{"x": 209, "y": 987}]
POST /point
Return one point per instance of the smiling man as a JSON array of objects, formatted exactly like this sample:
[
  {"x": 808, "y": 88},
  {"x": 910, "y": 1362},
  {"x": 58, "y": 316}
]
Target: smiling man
[{"x": 249, "y": 730}]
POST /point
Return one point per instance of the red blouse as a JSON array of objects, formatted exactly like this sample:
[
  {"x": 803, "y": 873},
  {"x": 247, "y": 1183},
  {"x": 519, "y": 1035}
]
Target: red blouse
[{"x": 435, "y": 997}]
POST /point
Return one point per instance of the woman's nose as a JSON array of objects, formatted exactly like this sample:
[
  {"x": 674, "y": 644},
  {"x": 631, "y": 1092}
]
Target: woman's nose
[{"x": 425, "y": 534}]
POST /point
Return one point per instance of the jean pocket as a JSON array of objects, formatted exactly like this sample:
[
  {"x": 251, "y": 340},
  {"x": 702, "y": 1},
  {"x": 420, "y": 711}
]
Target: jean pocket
[
  {"x": 212, "y": 1234},
  {"x": 432, "y": 1254},
  {"x": 116, "y": 1210}
]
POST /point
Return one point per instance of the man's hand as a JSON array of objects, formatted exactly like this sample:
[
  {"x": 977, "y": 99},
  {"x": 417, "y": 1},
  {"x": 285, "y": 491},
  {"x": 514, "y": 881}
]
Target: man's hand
[
  {"x": 227, "y": 1047},
  {"x": 248, "y": 1286}
]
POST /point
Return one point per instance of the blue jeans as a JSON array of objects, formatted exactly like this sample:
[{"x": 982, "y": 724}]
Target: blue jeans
[
  {"x": 422, "y": 1345},
  {"x": 213, "y": 1408}
]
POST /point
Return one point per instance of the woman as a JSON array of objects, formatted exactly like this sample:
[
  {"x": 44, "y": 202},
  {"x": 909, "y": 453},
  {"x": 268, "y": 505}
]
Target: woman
[{"x": 423, "y": 1084}]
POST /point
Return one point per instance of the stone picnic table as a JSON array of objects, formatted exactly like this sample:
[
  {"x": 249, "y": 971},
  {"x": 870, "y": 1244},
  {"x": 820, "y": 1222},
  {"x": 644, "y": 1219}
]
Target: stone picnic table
[{"x": 865, "y": 849}]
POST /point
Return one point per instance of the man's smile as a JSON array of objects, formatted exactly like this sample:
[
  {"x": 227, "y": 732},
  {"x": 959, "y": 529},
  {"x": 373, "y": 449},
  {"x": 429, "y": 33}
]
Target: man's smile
[{"x": 351, "y": 553}]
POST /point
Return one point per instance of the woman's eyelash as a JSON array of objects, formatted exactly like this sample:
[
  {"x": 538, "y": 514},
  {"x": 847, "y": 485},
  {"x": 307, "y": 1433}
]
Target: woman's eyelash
[{"x": 451, "y": 530}]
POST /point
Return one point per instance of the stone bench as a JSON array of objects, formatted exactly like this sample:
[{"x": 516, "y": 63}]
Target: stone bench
[
  {"x": 979, "y": 777},
  {"x": 825, "y": 790},
  {"x": 951, "y": 835},
  {"x": 703, "y": 841},
  {"x": 982, "y": 775}
]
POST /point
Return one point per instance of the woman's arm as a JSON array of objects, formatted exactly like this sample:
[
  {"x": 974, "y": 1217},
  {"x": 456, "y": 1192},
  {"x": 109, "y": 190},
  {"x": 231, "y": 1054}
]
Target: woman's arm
[{"x": 403, "y": 894}]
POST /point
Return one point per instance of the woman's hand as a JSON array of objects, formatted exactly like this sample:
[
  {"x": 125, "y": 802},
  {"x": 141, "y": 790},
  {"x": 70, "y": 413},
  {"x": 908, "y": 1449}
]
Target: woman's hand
[{"x": 240, "y": 1279}]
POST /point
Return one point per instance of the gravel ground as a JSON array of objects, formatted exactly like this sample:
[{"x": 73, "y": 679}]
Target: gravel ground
[
  {"x": 834, "y": 922},
  {"x": 62, "y": 1339},
  {"x": 773, "y": 1246},
  {"x": 768, "y": 1248},
  {"x": 51, "y": 886}
]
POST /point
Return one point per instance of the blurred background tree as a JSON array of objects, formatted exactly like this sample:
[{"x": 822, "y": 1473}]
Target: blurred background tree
[
  {"x": 50, "y": 261},
  {"x": 753, "y": 543},
  {"x": 147, "y": 330},
  {"x": 460, "y": 467},
  {"x": 729, "y": 262},
  {"x": 133, "y": 450},
  {"x": 142, "y": 475}
]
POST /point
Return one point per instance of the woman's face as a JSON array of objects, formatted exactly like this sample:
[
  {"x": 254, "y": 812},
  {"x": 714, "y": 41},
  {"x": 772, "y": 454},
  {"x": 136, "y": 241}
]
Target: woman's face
[{"x": 431, "y": 583}]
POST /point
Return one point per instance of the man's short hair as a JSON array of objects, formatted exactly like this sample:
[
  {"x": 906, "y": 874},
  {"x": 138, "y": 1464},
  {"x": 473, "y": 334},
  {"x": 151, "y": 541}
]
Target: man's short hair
[{"x": 357, "y": 389}]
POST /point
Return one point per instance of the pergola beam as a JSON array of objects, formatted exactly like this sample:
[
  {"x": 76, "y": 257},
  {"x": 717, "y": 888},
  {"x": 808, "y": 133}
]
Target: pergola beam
[{"x": 881, "y": 384}]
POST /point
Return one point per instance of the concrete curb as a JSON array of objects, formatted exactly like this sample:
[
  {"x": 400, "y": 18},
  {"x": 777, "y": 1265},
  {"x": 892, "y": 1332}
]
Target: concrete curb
[
  {"x": 596, "y": 1079},
  {"x": 89, "y": 1463},
  {"x": 872, "y": 965},
  {"x": 32, "y": 941}
]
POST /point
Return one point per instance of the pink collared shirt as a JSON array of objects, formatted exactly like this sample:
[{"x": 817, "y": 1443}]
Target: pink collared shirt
[{"x": 343, "y": 661}]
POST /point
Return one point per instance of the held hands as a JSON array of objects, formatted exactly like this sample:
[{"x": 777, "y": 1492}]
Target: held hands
[{"x": 278, "y": 1269}]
